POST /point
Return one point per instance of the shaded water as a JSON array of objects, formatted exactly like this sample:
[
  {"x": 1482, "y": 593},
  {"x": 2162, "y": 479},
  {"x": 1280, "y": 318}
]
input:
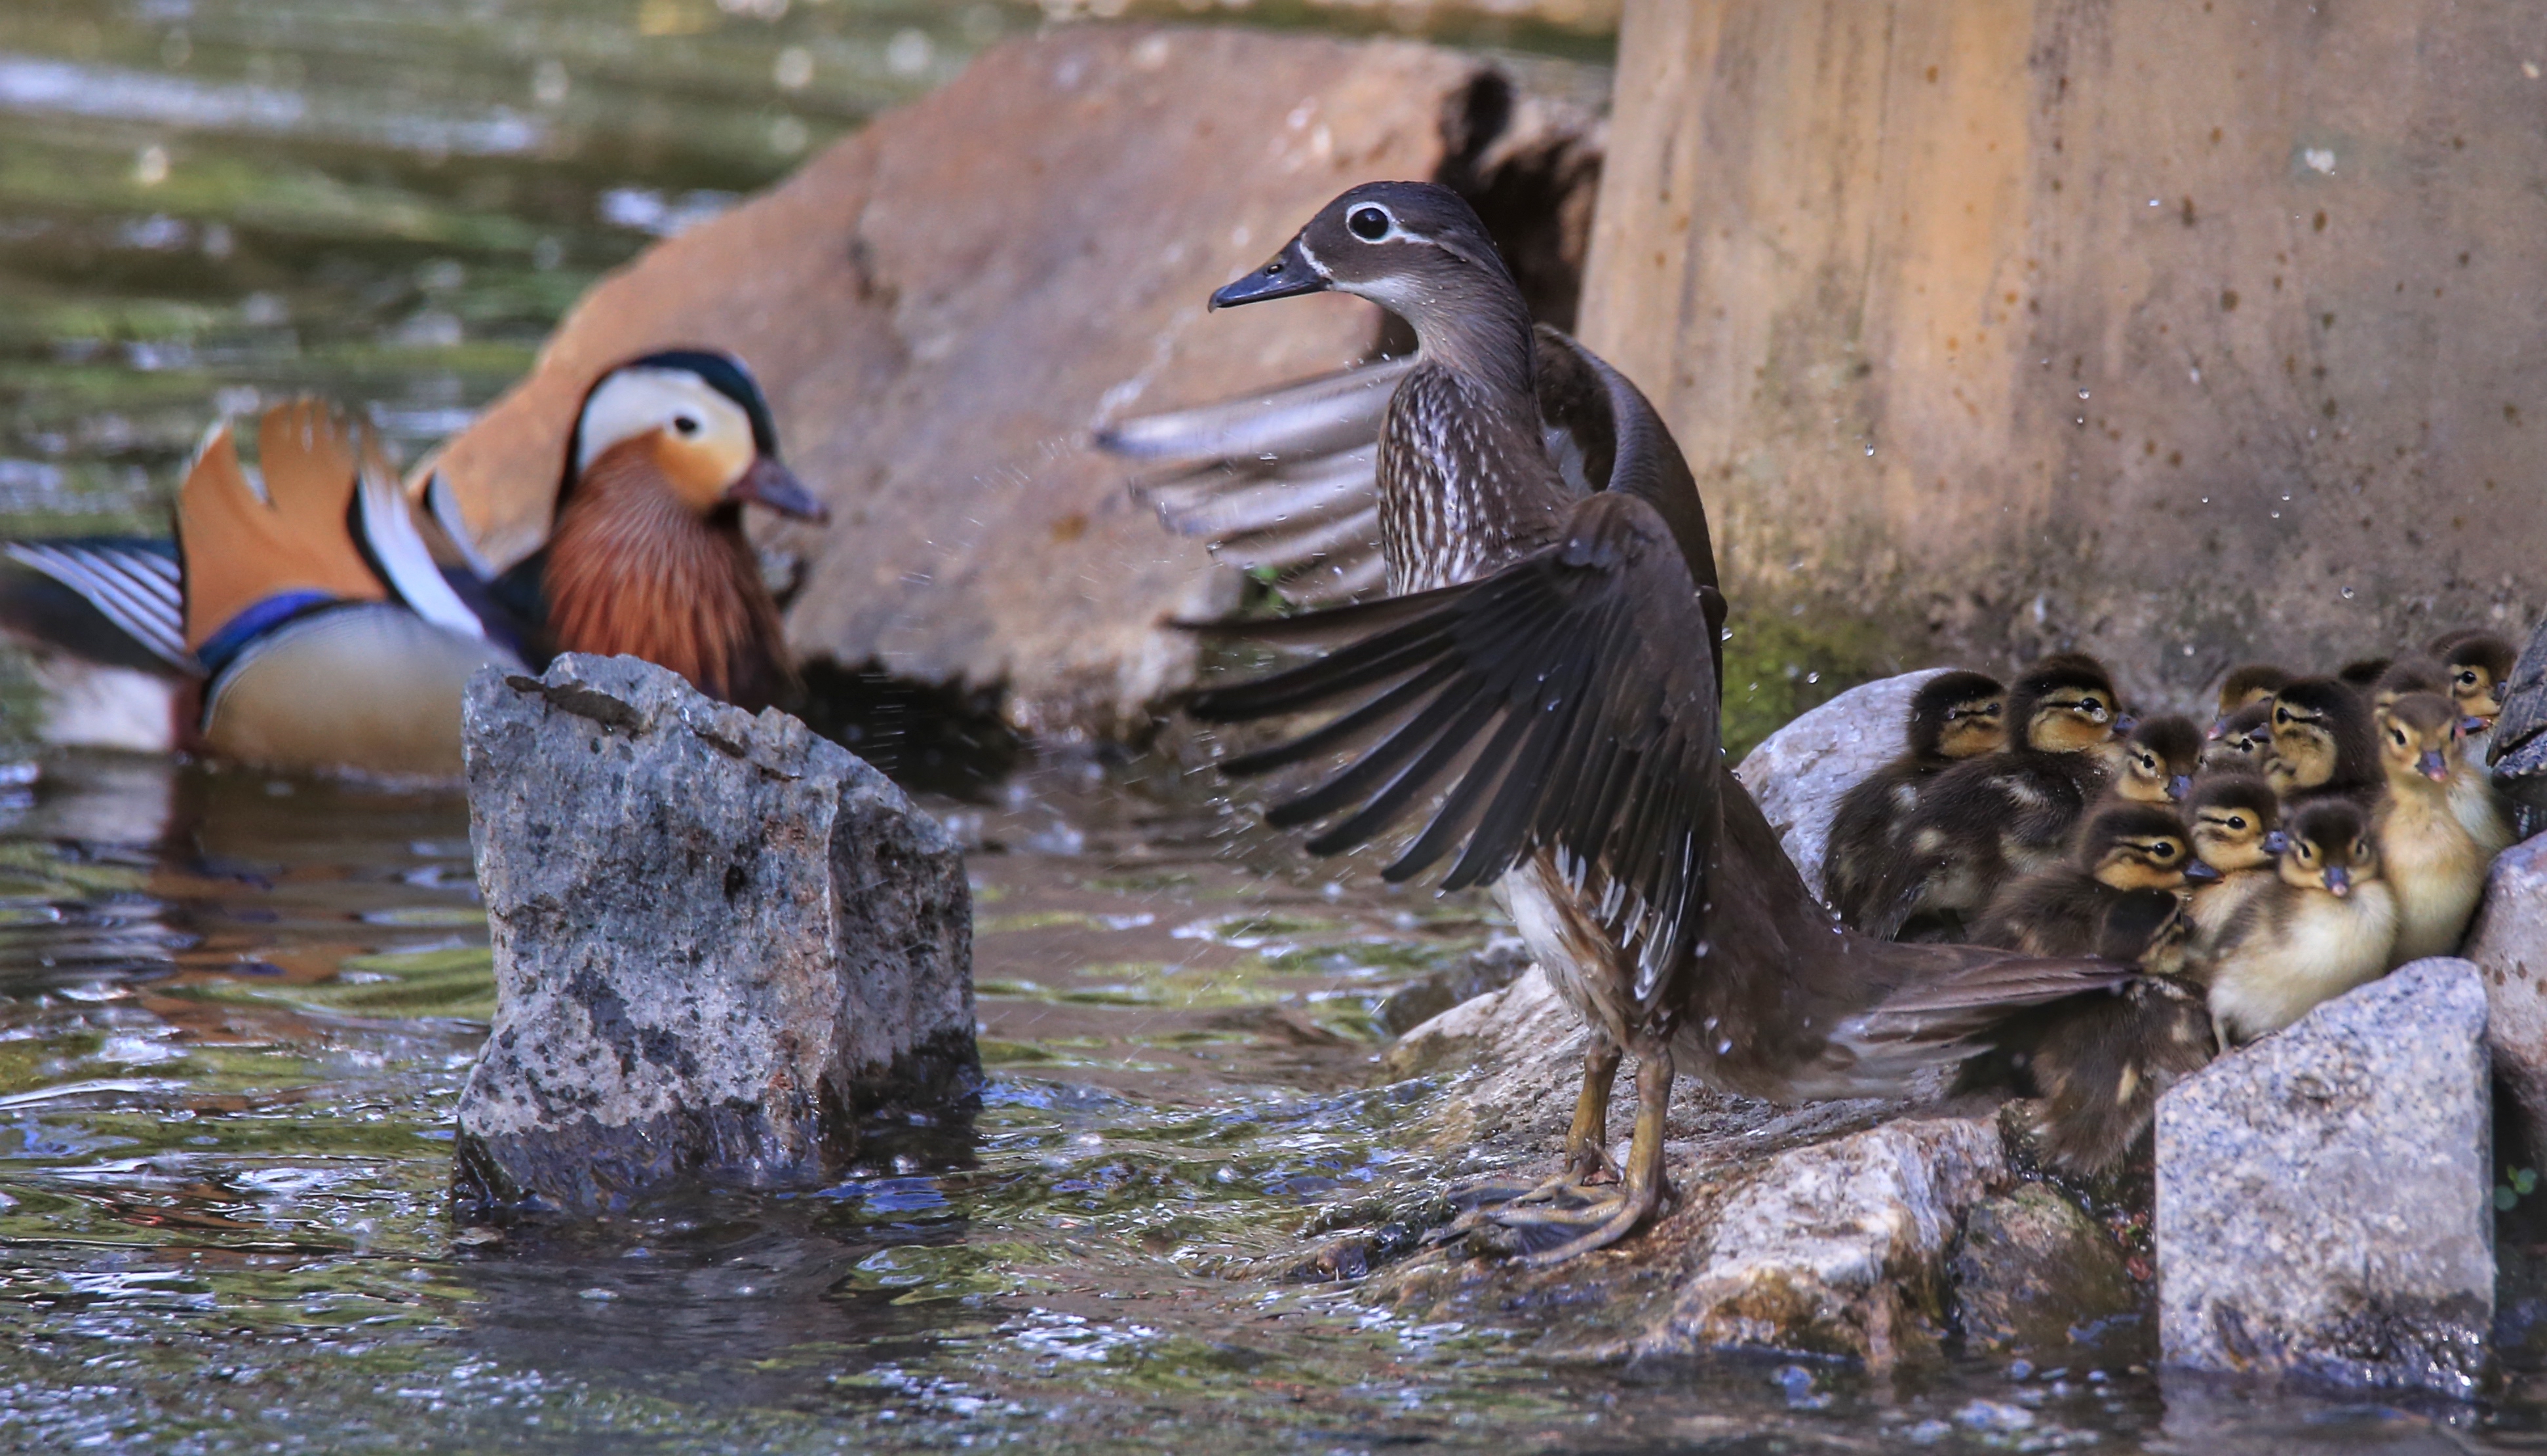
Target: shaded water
[{"x": 236, "y": 1010}]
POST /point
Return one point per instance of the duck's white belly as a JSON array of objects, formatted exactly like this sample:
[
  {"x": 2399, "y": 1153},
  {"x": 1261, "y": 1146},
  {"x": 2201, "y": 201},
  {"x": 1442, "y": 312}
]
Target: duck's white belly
[
  {"x": 2437, "y": 871},
  {"x": 2314, "y": 957},
  {"x": 1570, "y": 950}
]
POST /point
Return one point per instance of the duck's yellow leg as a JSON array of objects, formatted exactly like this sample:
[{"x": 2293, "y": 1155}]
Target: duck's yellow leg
[{"x": 1605, "y": 1215}]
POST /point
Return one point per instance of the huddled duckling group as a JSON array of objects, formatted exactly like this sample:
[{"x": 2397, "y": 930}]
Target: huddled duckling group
[{"x": 2322, "y": 833}]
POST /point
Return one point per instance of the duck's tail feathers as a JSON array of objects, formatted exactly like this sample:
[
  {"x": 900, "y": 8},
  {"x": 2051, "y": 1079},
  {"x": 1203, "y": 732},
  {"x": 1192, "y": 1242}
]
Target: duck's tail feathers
[
  {"x": 2098, "y": 1041},
  {"x": 114, "y": 602},
  {"x": 247, "y": 538}
]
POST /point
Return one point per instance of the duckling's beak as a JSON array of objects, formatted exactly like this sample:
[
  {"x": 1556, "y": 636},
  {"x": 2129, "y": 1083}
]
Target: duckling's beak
[
  {"x": 2474, "y": 724},
  {"x": 769, "y": 483},
  {"x": 2200, "y": 872},
  {"x": 2218, "y": 727},
  {"x": 2430, "y": 764},
  {"x": 2180, "y": 786},
  {"x": 2276, "y": 842},
  {"x": 1289, "y": 276},
  {"x": 2123, "y": 724},
  {"x": 2338, "y": 881}
]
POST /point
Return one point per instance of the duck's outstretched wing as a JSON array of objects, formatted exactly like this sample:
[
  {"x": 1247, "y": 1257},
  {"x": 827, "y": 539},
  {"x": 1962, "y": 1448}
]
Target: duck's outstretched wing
[
  {"x": 2518, "y": 755},
  {"x": 242, "y": 546},
  {"x": 1281, "y": 481},
  {"x": 1555, "y": 706}
]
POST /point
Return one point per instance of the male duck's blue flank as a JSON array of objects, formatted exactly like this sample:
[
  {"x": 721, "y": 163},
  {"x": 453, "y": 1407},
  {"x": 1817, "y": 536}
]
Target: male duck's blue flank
[{"x": 301, "y": 619}]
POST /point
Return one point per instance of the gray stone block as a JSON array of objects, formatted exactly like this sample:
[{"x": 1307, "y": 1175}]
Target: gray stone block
[
  {"x": 1800, "y": 772},
  {"x": 2508, "y": 944},
  {"x": 2325, "y": 1197},
  {"x": 719, "y": 941}
]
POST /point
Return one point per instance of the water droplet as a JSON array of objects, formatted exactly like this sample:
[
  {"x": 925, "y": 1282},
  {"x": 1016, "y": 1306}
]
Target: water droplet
[
  {"x": 1725, "y": 1045},
  {"x": 2348, "y": 593},
  {"x": 2277, "y": 515},
  {"x": 2083, "y": 394}
]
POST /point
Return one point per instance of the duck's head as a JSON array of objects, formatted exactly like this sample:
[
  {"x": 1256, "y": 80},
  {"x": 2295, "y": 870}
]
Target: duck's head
[
  {"x": 2330, "y": 849},
  {"x": 699, "y": 421},
  {"x": 2477, "y": 664},
  {"x": 2235, "y": 818},
  {"x": 2419, "y": 735},
  {"x": 2065, "y": 703},
  {"x": 2244, "y": 740},
  {"x": 2159, "y": 759},
  {"x": 1414, "y": 248},
  {"x": 2245, "y": 687},
  {"x": 2321, "y": 727},
  {"x": 1958, "y": 714},
  {"x": 2136, "y": 847}
]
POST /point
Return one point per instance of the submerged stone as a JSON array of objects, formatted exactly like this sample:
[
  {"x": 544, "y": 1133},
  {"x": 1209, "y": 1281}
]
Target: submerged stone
[
  {"x": 719, "y": 941},
  {"x": 2325, "y": 1197},
  {"x": 1800, "y": 772},
  {"x": 2035, "y": 1273}
]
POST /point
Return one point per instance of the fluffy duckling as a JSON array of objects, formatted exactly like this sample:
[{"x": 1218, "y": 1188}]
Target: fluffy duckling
[
  {"x": 2478, "y": 666},
  {"x": 2234, "y": 821},
  {"x": 2434, "y": 866},
  {"x": 2413, "y": 674},
  {"x": 2361, "y": 672},
  {"x": 2112, "y": 900},
  {"x": 1987, "y": 819},
  {"x": 2326, "y": 925},
  {"x": 2324, "y": 743},
  {"x": 2242, "y": 742},
  {"x": 2159, "y": 759},
  {"x": 1954, "y": 715},
  {"x": 2247, "y": 686}
]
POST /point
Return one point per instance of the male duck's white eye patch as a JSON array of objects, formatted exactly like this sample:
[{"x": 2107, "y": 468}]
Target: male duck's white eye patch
[{"x": 1370, "y": 223}]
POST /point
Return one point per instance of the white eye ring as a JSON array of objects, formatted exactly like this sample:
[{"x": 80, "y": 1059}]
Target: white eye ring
[{"x": 1357, "y": 222}]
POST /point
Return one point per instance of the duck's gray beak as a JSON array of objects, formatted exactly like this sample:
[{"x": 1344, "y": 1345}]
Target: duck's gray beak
[
  {"x": 1289, "y": 276},
  {"x": 769, "y": 483}
]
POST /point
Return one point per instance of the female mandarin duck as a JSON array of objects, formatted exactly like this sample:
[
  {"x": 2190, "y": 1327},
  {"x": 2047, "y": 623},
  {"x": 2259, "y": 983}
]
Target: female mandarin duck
[
  {"x": 1541, "y": 699},
  {"x": 306, "y": 607}
]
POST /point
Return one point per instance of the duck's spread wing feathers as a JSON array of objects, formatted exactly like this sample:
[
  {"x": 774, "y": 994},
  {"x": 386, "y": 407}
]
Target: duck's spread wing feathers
[
  {"x": 133, "y": 584},
  {"x": 1561, "y": 705},
  {"x": 241, "y": 546}
]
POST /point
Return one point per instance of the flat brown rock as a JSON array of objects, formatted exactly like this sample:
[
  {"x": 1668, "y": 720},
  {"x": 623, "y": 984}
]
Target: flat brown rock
[{"x": 941, "y": 306}]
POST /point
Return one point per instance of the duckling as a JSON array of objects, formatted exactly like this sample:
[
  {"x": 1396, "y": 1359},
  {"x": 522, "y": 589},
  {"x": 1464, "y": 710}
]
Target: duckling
[
  {"x": 2478, "y": 666},
  {"x": 2412, "y": 673},
  {"x": 2131, "y": 858},
  {"x": 2361, "y": 672},
  {"x": 1954, "y": 715},
  {"x": 325, "y": 632},
  {"x": 2242, "y": 742},
  {"x": 2247, "y": 686},
  {"x": 2159, "y": 761},
  {"x": 2237, "y": 840},
  {"x": 2326, "y": 925},
  {"x": 1987, "y": 819},
  {"x": 2434, "y": 866},
  {"x": 2324, "y": 745}
]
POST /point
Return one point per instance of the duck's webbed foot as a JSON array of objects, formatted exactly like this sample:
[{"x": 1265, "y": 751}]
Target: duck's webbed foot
[{"x": 1570, "y": 1215}]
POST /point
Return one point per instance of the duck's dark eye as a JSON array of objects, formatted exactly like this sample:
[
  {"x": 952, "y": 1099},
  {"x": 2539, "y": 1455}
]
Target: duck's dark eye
[
  {"x": 684, "y": 424},
  {"x": 2164, "y": 852},
  {"x": 1370, "y": 225},
  {"x": 2239, "y": 826}
]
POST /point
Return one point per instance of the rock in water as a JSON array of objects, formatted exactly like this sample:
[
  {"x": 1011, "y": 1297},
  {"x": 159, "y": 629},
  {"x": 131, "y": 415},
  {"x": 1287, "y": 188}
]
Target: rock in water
[
  {"x": 1800, "y": 772},
  {"x": 2035, "y": 1274},
  {"x": 719, "y": 940},
  {"x": 2508, "y": 944},
  {"x": 2324, "y": 1198}
]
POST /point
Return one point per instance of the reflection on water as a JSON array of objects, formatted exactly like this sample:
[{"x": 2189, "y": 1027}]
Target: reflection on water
[{"x": 235, "y": 1012}]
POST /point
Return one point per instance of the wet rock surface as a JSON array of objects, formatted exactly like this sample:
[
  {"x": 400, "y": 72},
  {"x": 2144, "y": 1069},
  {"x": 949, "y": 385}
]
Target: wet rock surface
[
  {"x": 1800, "y": 772},
  {"x": 719, "y": 942},
  {"x": 2325, "y": 1197},
  {"x": 2035, "y": 1274},
  {"x": 2508, "y": 944},
  {"x": 943, "y": 307}
]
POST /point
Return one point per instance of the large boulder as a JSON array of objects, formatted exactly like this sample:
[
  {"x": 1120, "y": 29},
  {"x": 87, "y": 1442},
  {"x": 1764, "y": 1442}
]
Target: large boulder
[
  {"x": 719, "y": 942},
  {"x": 944, "y": 304},
  {"x": 2508, "y": 944},
  {"x": 2325, "y": 1197},
  {"x": 1800, "y": 772},
  {"x": 2179, "y": 335}
]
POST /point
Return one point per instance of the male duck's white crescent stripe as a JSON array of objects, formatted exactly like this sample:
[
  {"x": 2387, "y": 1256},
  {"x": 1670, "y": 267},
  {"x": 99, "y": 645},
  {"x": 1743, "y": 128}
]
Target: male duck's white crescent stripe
[
  {"x": 138, "y": 590},
  {"x": 400, "y": 551}
]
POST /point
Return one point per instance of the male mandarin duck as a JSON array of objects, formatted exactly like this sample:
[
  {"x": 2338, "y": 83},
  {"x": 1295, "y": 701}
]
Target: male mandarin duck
[
  {"x": 300, "y": 619},
  {"x": 1542, "y": 697}
]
